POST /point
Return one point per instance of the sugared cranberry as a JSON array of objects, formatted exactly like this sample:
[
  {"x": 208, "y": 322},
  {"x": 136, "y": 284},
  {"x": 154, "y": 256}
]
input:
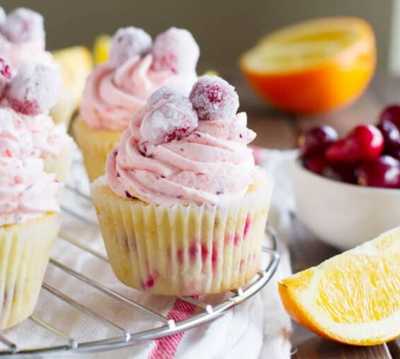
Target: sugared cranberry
[
  {"x": 391, "y": 135},
  {"x": 23, "y": 25},
  {"x": 34, "y": 89},
  {"x": 381, "y": 172},
  {"x": 128, "y": 42},
  {"x": 316, "y": 163},
  {"x": 364, "y": 143},
  {"x": 317, "y": 140},
  {"x": 5, "y": 76},
  {"x": 164, "y": 121},
  {"x": 175, "y": 50},
  {"x": 391, "y": 113},
  {"x": 163, "y": 94},
  {"x": 213, "y": 98}
]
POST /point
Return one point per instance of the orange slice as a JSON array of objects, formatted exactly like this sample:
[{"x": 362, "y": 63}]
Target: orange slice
[
  {"x": 352, "y": 298},
  {"x": 313, "y": 67}
]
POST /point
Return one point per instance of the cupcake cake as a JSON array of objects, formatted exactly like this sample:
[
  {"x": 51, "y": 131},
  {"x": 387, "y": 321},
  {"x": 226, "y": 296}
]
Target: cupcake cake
[
  {"x": 23, "y": 40},
  {"x": 26, "y": 96},
  {"x": 119, "y": 88},
  {"x": 182, "y": 206},
  {"x": 29, "y": 222}
]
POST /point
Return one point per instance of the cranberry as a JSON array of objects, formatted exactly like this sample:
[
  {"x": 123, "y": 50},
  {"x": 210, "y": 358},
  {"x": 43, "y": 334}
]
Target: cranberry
[
  {"x": 128, "y": 42},
  {"x": 167, "y": 119},
  {"x": 317, "y": 140},
  {"x": 213, "y": 98},
  {"x": 391, "y": 135},
  {"x": 395, "y": 154},
  {"x": 391, "y": 113},
  {"x": 364, "y": 143},
  {"x": 316, "y": 163},
  {"x": 381, "y": 172},
  {"x": 34, "y": 89},
  {"x": 5, "y": 75},
  {"x": 175, "y": 50},
  {"x": 23, "y": 25},
  {"x": 341, "y": 172}
]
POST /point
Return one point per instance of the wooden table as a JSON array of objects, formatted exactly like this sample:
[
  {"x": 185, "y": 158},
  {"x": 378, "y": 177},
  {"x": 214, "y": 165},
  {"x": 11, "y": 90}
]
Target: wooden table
[{"x": 279, "y": 130}]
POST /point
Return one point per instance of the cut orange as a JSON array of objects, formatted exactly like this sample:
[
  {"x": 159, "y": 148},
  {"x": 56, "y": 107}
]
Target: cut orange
[
  {"x": 313, "y": 67},
  {"x": 352, "y": 298}
]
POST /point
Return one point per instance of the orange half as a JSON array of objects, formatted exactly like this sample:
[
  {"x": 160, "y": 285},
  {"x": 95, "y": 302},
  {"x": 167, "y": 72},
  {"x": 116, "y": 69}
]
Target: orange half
[
  {"x": 313, "y": 67},
  {"x": 353, "y": 298}
]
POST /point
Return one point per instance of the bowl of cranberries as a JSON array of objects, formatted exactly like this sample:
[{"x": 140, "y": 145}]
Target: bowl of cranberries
[{"x": 348, "y": 189}]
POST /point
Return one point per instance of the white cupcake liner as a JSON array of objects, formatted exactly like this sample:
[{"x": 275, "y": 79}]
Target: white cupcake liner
[
  {"x": 24, "y": 254},
  {"x": 183, "y": 250}
]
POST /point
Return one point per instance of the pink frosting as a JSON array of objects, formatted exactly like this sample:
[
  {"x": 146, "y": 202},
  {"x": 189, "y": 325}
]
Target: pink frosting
[
  {"x": 26, "y": 191},
  {"x": 213, "y": 165},
  {"x": 114, "y": 95},
  {"x": 22, "y": 135}
]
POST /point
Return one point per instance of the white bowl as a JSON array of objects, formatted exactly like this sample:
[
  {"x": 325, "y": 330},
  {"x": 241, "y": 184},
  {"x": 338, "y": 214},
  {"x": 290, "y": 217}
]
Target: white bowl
[{"x": 341, "y": 214}]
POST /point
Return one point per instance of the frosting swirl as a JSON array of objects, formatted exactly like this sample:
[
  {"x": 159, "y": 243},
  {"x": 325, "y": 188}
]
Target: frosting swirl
[
  {"x": 26, "y": 191},
  {"x": 213, "y": 165},
  {"x": 113, "y": 95},
  {"x": 22, "y": 135}
]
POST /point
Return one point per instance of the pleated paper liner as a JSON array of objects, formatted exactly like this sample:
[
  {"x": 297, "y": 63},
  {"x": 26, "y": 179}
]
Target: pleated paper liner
[
  {"x": 183, "y": 250},
  {"x": 95, "y": 146},
  {"x": 24, "y": 255}
]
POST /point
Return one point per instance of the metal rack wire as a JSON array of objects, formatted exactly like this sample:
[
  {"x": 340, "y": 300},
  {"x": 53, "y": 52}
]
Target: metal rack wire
[{"x": 206, "y": 312}]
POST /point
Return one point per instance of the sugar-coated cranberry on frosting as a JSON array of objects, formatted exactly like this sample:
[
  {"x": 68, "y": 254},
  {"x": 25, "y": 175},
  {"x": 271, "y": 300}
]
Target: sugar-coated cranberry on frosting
[
  {"x": 5, "y": 75},
  {"x": 34, "y": 89},
  {"x": 118, "y": 89},
  {"x": 168, "y": 116},
  {"x": 214, "y": 98},
  {"x": 23, "y": 25},
  {"x": 129, "y": 42},
  {"x": 189, "y": 161},
  {"x": 22, "y": 37},
  {"x": 175, "y": 50}
]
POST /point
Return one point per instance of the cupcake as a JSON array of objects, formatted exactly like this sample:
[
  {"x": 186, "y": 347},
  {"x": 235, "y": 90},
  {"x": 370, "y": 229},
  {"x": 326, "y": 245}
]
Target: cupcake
[
  {"x": 182, "y": 206},
  {"x": 119, "y": 88},
  {"x": 23, "y": 40},
  {"x": 29, "y": 224},
  {"x": 27, "y": 97}
]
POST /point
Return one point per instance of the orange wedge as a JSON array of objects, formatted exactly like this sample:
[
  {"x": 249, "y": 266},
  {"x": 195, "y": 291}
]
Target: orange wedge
[
  {"x": 352, "y": 298},
  {"x": 313, "y": 67}
]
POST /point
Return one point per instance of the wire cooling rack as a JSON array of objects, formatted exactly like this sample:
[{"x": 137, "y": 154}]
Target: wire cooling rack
[{"x": 160, "y": 324}]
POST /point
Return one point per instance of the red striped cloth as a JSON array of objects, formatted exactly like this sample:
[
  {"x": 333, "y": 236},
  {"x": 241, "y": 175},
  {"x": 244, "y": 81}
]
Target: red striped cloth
[{"x": 165, "y": 348}]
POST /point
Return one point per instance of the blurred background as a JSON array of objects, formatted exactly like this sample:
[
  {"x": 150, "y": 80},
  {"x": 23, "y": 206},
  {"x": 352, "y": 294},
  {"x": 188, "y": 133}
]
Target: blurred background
[{"x": 224, "y": 29}]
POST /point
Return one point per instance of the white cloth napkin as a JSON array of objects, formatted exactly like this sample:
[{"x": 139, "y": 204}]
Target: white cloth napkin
[{"x": 258, "y": 328}]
